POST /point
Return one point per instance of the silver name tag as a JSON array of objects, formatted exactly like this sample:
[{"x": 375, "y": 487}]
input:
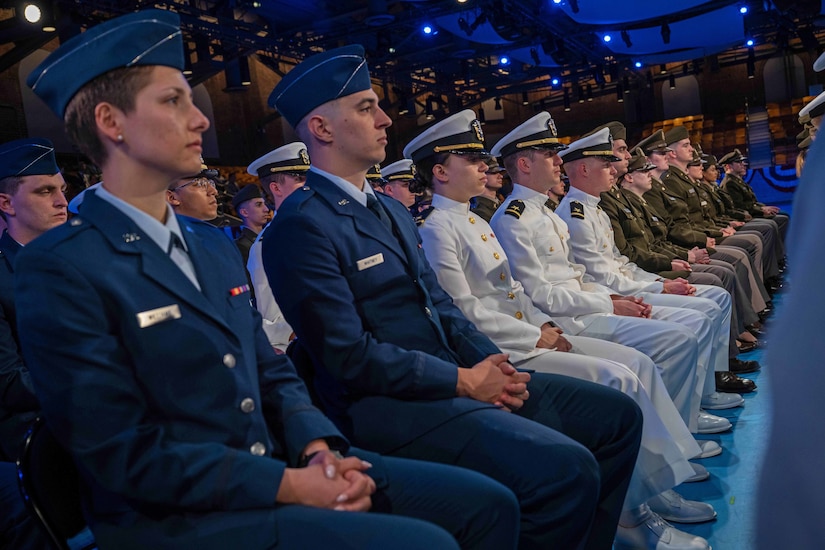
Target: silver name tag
[
  {"x": 372, "y": 261},
  {"x": 159, "y": 315}
]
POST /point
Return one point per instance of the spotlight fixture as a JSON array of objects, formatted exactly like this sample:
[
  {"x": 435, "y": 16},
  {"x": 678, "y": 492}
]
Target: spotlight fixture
[
  {"x": 638, "y": 64},
  {"x": 554, "y": 81},
  {"x": 672, "y": 81},
  {"x": 464, "y": 26},
  {"x": 524, "y": 100},
  {"x": 497, "y": 103},
  {"x": 427, "y": 29},
  {"x": 534, "y": 54},
  {"x": 626, "y": 84},
  {"x": 749, "y": 42},
  {"x": 580, "y": 93},
  {"x": 619, "y": 94},
  {"x": 743, "y": 9},
  {"x": 662, "y": 69},
  {"x": 47, "y": 20},
  {"x": 626, "y": 39},
  {"x": 665, "y": 32},
  {"x": 589, "y": 92},
  {"x": 574, "y": 6},
  {"x": 566, "y": 99},
  {"x": 557, "y": 1},
  {"x": 32, "y": 13},
  {"x": 607, "y": 38},
  {"x": 751, "y": 63},
  {"x": 482, "y": 118},
  {"x": 503, "y": 60}
]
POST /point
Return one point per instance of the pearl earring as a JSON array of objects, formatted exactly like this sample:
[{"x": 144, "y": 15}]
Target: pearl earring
[{"x": 120, "y": 138}]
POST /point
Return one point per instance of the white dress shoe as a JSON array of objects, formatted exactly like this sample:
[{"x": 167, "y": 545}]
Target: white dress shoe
[
  {"x": 710, "y": 424},
  {"x": 700, "y": 473},
  {"x": 721, "y": 400},
  {"x": 653, "y": 533},
  {"x": 673, "y": 507},
  {"x": 709, "y": 448}
]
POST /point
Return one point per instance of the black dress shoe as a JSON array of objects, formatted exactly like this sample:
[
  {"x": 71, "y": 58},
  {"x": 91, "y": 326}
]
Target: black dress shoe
[
  {"x": 737, "y": 366},
  {"x": 729, "y": 382}
]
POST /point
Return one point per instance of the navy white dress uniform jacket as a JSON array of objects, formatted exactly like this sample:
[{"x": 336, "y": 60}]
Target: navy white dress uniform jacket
[
  {"x": 206, "y": 424},
  {"x": 18, "y": 404},
  {"x": 537, "y": 242}
]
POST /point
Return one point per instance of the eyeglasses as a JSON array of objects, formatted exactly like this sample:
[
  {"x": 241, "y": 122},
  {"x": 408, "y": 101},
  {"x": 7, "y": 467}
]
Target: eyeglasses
[{"x": 200, "y": 183}]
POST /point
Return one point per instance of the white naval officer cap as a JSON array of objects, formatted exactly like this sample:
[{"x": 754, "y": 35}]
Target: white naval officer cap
[
  {"x": 292, "y": 157},
  {"x": 813, "y": 109},
  {"x": 403, "y": 169},
  {"x": 599, "y": 145},
  {"x": 538, "y": 132},
  {"x": 457, "y": 134}
]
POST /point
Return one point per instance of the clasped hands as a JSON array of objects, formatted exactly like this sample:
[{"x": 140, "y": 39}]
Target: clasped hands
[
  {"x": 328, "y": 482},
  {"x": 494, "y": 380}
]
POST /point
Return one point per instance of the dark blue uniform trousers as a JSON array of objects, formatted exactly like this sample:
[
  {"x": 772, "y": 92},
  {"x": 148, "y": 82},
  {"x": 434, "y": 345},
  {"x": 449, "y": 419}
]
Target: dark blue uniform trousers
[
  {"x": 417, "y": 505},
  {"x": 568, "y": 454}
]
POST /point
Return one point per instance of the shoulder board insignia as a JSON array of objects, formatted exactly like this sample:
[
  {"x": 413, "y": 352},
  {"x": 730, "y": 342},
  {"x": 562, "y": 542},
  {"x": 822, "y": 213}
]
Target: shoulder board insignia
[
  {"x": 515, "y": 208},
  {"x": 422, "y": 217},
  {"x": 577, "y": 209}
]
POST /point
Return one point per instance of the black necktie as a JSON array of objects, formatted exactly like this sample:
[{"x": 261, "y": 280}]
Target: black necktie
[
  {"x": 175, "y": 242},
  {"x": 378, "y": 210}
]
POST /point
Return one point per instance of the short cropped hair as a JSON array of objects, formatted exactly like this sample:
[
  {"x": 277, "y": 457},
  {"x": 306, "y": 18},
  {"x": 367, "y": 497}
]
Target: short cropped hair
[
  {"x": 511, "y": 161},
  {"x": 118, "y": 87},
  {"x": 9, "y": 186}
]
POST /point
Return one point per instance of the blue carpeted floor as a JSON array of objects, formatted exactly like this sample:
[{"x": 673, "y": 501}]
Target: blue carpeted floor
[{"x": 732, "y": 486}]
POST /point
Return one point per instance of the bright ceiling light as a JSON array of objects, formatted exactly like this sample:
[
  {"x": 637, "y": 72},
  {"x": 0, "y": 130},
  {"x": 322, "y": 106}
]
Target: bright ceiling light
[
  {"x": 32, "y": 13},
  {"x": 607, "y": 38}
]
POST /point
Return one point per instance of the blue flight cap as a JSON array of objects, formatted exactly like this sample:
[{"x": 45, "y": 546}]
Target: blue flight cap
[
  {"x": 319, "y": 79},
  {"x": 27, "y": 157},
  {"x": 149, "y": 37}
]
